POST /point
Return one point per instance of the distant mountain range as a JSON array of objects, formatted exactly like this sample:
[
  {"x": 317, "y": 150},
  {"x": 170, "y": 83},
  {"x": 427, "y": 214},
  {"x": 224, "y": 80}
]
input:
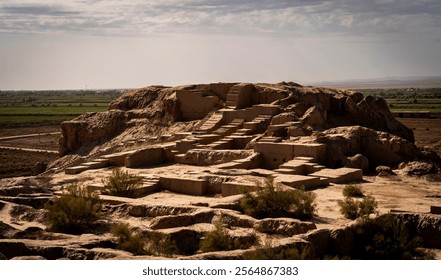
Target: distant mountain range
[{"x": 386, "y": 82}]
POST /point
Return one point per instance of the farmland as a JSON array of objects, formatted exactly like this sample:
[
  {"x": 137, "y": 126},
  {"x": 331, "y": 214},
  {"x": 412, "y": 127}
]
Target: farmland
[
  {"x": 38, "y": 106},
  {"x": 410, "y": 99}
]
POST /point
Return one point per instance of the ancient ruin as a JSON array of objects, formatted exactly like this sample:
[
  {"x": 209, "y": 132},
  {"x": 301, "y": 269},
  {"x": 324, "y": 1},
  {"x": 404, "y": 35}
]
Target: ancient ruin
[{"x": 198, "y": 148}]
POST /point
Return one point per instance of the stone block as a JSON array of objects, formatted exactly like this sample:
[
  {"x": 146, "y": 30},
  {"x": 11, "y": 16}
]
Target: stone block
[
  {"x": 233, "y": 188},
  {"x": 145, "y": 157},
  {"x": 341, "y": 175},
  {"x": 299, "y": 181},
  {"x": 191, "y": 186},
  {"x": 314, "y": 150}
]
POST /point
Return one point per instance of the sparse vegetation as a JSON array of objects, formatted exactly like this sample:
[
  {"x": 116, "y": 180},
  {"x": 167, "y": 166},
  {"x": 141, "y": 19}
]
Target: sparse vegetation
[
  {"x": 220, "y": 240},
  {"x": 74, "y": 211},
  {"x": 352, "y": 191},
  {"x": 268, "y": 252},
  {"x": 386, "y": 238},
  {"x": 270, "y": 200},
  {"x": 160, "y": 244},
  {"x": 128, "y": 240},
  {"x": 122, "y": 183},
  {"x": 353, "y": 209}
]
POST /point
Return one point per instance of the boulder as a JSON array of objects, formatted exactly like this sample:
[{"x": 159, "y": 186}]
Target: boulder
[
  {"x": 314, "y": 117},
  {"x": 418, "y": 168},
  {"x": 358, "y": 161},
  {"x": 384, "y": 171}
]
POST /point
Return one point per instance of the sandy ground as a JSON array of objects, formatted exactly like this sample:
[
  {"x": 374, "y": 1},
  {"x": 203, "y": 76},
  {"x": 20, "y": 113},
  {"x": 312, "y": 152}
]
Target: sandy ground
[
  {"x": 427, "y": 132},
  {"x": 397, "y": 194}
]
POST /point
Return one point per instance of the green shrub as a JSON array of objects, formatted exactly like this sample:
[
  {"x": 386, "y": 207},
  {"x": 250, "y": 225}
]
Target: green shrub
[
  {"x": 127, "y": 240},
  {"x": 220, "y": 240},
  {"x": 353, "y": 209},
  {"x": 367, "y": 206},
  {"x": 122, "y": 183},
  {"x": 349, "y": 208},
  {"x": 160, "y": 244},
  {"x": 352, "y": 191},
  {"x": 270, "y": 200},
  {"x": 74, "y": 211}
]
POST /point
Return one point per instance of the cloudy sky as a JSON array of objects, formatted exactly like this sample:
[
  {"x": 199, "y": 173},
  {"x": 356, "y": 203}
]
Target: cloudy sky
[{"x": 64, "y": 44}]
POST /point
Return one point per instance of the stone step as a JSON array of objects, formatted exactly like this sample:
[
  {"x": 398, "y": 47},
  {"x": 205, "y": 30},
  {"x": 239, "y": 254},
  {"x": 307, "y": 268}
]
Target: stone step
[
  {"x": 342, "y": 175},
  {"x": 117, "y": 159},
  {"x": 270, "y": 139},
  {"x": 244, "y": 130},
  {"x": 207, "y": 138},
  {"x": 307, "y": 159},
  {"x": 299, "y": 181},
  {"x": 75, "y": 169},
  {"x": 96, "y": 164},
  {"x": 250, "y": 125}
]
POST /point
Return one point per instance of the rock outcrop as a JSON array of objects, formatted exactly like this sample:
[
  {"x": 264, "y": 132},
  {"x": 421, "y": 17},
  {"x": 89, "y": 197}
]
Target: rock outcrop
[{"x": 380, "y": 148}]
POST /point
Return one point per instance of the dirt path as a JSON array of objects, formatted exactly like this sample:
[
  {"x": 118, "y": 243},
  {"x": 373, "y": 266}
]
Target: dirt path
[
  {"x": 28, "y": 136},
  {"x": 29, "y": 150}
]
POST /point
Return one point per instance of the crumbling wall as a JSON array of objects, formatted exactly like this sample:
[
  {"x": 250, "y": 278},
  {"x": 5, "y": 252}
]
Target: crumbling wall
[{"x": 194, "y": 105}]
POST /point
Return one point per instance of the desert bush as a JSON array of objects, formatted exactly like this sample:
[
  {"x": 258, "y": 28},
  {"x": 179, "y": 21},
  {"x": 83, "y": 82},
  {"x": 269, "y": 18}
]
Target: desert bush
[
  {"x": 122, "y": 183},
  {"x": 268, "y": 252},
  {"x": 352, "y": 191},
  {"x": 74, "y": 211},
  {"x": 272, "y": 201},
  {"x": 127, "y": 240},
  {"x": 160, "y": 244},
  {"x": 353, "y": 209},
  {"x": 367, "y": 206},
  {"x": 349, "y": 208},
  {"x": 220, "y": 240},
  {"x": 385, "y": 237}
]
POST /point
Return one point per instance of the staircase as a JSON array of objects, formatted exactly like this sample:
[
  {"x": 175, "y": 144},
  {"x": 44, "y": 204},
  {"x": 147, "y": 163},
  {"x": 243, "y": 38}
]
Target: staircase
[{"x": 233, "y": 97}]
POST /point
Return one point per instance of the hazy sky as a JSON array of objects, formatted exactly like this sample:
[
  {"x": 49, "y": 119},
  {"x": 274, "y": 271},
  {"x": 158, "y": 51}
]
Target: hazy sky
[{"x": 64, "y": 44}]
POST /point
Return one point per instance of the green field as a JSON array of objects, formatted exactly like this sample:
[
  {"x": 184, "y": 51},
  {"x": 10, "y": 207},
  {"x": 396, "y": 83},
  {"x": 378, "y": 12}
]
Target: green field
[
  {"x": 411, "y": 99},
  {"x": 36, "y": 106}
]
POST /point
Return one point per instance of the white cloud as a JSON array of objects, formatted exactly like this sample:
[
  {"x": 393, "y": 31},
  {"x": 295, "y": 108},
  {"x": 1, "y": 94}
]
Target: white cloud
[{"x": 137, "y": 18}]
